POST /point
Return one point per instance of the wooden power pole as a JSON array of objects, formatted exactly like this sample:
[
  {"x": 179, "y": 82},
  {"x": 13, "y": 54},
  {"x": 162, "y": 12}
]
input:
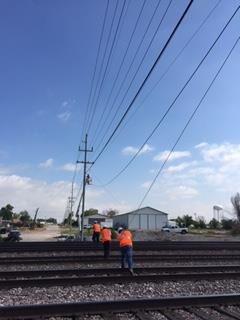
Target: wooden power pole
[{"x": 85, "y": 162}]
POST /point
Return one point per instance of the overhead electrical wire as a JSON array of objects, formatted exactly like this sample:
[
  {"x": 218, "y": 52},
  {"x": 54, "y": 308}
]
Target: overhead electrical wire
[
  {"x": 145, "y": 80},
  {"x": 130, "y": 67},
  {"x": 188, "y": 122},
  {"x": 175, "y": 99},
  {"x": 101, "y": 64},
  {"x": 95, "y": 68},
  {"x": 89, "y": 97},
  {"x": 169, "y": 67},
  {"x": 106, "y": 67},
  {"x": 120, "y": 67}
]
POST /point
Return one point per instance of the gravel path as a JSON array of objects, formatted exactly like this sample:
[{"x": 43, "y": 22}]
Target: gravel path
[{"x": 18, "y": 296}]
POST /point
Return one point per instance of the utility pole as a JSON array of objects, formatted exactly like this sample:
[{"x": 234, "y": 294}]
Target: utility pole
[
  {"x": 71, "y": 201},
  {"x": 85, "y": 162}
]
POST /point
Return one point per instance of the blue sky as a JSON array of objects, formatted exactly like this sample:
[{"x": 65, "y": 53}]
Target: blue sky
[{"x": 48, "y": 52}]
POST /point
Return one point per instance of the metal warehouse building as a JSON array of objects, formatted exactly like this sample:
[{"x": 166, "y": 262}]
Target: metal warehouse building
[{"x": 146, "y": 218}]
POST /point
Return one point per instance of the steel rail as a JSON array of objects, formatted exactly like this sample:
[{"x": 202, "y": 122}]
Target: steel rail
[
  {"x": 116, "y": 271},
  {"x": 93, "y": 259},
  {"x": 72, "y": 310},
  {"x": 113, "y": 279},
  {"x": 113, "y": 258},
  {"x": 99, "y": 259},
  {"x": 138, "y": 245}
]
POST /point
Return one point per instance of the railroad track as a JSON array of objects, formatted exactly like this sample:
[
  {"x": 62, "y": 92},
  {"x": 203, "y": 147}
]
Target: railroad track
[
  {"x": 116, "y": 258},
  {"x": 113, "y": 276},
  {"x": 175, "y": 308},
  {"x": 116, "y": 271},
  {"x": 138, "y": 245}
]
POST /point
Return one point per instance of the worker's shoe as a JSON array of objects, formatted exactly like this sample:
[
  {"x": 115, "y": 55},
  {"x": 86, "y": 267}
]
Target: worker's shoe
[{"x": 132, "y": 272}]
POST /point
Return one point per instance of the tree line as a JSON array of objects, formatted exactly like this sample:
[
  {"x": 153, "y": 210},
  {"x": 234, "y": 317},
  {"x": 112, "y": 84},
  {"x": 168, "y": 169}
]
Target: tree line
[{"x": 21, "y": 218}]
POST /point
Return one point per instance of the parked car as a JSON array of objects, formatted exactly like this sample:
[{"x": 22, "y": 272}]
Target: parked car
[
  {"x": 175, "y": 229},
  {"x": 13, "y": 236}
]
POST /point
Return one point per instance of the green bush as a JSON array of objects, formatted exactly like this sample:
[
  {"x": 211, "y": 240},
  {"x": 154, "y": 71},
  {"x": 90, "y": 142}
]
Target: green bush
[{"x": 236, "y": 229}]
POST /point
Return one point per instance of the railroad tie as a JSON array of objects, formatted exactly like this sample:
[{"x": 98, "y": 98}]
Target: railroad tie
[
  {"x": 172, "y": 315},
  {"x": 109, "y": 316},
  {"x": 231, "y": 314},
  {"x": 197, "y": 312},
  {"x": 142, "y": 315}
]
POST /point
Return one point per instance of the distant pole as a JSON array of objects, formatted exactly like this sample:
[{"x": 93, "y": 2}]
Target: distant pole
[{"x": 85, "y": 162}]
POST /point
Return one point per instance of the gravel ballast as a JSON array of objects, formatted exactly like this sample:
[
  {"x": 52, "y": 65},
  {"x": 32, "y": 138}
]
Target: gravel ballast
[{"x": 35, "y": 295}]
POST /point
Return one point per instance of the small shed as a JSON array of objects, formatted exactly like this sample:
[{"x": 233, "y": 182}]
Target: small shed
[{"x": 146, "y": 218}]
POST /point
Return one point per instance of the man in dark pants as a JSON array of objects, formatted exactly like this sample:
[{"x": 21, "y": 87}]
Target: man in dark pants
[
  {"x": 125, "y": 242},
  {"x": 96, "y": 231},
  {"x": 106, "y": 240}
]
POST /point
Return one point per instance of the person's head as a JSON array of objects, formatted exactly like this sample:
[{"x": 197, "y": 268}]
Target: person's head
[
  {"x": 104, "y": 227},
  {"x": 120, "y": 229},
  {"x": 95, "y": 221}
]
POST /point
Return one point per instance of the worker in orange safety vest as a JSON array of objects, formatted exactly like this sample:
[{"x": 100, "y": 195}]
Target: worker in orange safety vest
[
  {"x": 106, "y": 238},
  {"x": 96, "y": 231},
  {"x": 125, "y": 242}
]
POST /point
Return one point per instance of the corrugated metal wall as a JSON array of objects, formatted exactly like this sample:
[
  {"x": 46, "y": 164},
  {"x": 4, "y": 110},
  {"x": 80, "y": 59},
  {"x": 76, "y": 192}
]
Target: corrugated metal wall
[{"x": 147, "y": 221}]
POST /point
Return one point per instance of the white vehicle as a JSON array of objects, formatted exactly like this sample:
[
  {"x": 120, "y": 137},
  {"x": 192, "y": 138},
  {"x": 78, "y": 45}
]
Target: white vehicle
[{"x": 175, "y": 229}]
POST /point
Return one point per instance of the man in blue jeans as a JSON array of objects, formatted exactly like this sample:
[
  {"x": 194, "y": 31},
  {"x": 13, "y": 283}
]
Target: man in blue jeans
[{"x": 125, "y": 242}]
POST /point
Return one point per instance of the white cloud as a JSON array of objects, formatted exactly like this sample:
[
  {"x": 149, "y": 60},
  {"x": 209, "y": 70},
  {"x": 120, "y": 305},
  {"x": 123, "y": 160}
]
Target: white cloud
[
  {"x": 180, "y": 167},
  {"x": 182, "y": 191},
  {"x": 70, "y": 167},
  {"x": 129, "y": 150},
  {"x": 200, "y": 145},
  {"x": 64, "y": 117},
  {"x": 46, "y": 164},
  {"x": 64, "y": 104},
  {"x": 174, "y": 155},
  {"x": 225, "y": 153}
]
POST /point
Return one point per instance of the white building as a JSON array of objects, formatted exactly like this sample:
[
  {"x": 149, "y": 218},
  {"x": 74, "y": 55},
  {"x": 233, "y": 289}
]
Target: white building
[{"x": 146, "y": 218}]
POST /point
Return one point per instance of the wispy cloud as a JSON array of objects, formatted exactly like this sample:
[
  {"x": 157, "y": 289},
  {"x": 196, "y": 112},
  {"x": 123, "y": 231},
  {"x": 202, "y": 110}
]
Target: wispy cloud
[
  {"x": 174, "y": 155},
  {"x": 64, "y": 104},
  {"x": 129, "y": 150},
  {"x": 181, "y": 167},
  {"x": 64, "y": 116},
  {"x": 46, "y": 164},
  {"x": 70, "y": 167}
]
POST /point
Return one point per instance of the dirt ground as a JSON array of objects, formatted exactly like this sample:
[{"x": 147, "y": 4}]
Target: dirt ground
[
  {"x": 204, "y": 236},
  {"x": 46, "y": 234},
  {"x": 51, "y": 231}
]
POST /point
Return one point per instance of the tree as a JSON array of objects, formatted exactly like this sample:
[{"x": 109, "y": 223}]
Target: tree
[
  {"x": 214, "y": 224},
  {"x": 52, "y": 220},
  {"x": 227, "y": 224},
  {"x": 236, "y": 205},
  {"x": 25, "y": 217},
  {"x": 6, "y": 212},
  {"x": 111, "y": 212},
  {"x": 202, "y": 224},
  {"x": 185, "y": 220},
  {"x": 90, "y": 212}
]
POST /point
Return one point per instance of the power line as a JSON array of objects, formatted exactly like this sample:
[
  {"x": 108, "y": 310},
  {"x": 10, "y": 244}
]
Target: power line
[
  {"x": 130, "y": 67},
  {"x": 145, "y": 80},
  {"x": 174, "y": 101},
  {"x": 120, "y": 68},
  {"x": 95, "y": 68},
  {"x": 106, "y": 67},
  {"x": 103, "y": 59},
  {"x": 188, "y": 122},
  {"x": 169, "y": 66}
]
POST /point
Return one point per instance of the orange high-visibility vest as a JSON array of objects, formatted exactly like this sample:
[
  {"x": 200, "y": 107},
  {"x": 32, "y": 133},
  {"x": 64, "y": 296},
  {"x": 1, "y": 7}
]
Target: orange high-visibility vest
[
  {"x": 106, "y": 235},
  {"x": 125, "y": 238},
  {"x": 96, "y": 227}
]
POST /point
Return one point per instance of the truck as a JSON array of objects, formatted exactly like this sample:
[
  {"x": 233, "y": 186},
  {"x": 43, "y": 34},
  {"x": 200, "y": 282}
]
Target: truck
[{"x": 175, "y": 229}]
